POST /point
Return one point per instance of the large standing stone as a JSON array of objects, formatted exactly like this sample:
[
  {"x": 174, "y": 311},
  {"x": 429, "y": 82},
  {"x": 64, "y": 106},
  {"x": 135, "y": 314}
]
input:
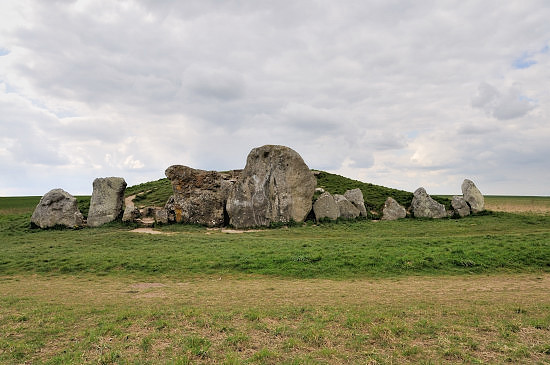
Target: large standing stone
[
  {"x": 460, "y": 206},
  {"x": 275, "y": 186},
  {"x": 57, "y": 207},
  {"x": 346, "y": 208},
  {"x": 393, "y": 210},
  {"x": 423, "y": 206},
  {"x": 107, "y": 200},
  {"x": 356, "y": 197},
  {"x": 473, "y": 196},
  {"x": 325, "y": 207},
  {"x": 199, "y": 195}
]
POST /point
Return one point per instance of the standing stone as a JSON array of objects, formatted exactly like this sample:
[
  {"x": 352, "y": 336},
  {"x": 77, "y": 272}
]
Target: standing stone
[
  {"x": 423, "y": 206},
  {"x": 393, "y": 210},
  {"x": 275, "y": 186},
  {"x": 356, "y": 197},
  {"x": 325, "y": 207},
  {"x": 107, "y": 200},
  {"x": 199, "y": 195},
  {"x": 473, "y": 196},
  {"x": 57, "y": 207},
  {"x": 346, "y": 209},
  {"x": 460, "y": 206}
]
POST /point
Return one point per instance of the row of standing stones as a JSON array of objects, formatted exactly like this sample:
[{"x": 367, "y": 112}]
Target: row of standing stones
[{"x": 276, "y": 186}]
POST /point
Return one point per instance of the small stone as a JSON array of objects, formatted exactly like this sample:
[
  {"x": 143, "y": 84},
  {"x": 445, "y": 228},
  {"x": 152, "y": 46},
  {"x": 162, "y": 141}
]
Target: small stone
[
  {"x": 393, "y": 210},
  {"x": 423, "y": 206},
  {"x": 57, "y": 207},
  {"x": 346, "y": 208},
  {"x": 356, "y": 197},
  {"x": 473, "y": 196},
  {"x": 325, "y": 207},
  {"x": 460, "y": 206}
]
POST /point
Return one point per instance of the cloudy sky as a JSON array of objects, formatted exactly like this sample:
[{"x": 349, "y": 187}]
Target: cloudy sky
[{"x": 397, "y": 93}]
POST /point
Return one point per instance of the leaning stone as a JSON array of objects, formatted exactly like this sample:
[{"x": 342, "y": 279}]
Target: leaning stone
[
  {"x": 275, "y": 186},
  {"x": 346, "y": 208},
  {"x": 107, "y": 200},
  {"x": 473, "y": 196},
  {"x": 199, "y": 195},
  {"x": 393, "y": 210},
  {"x": 325, "y": 207},
  {"x": 57, "y": 207},
  {"x": 423, "y": 206},
  {"x": 356, "y": 197},
  {"x": 460, "y": 206}
]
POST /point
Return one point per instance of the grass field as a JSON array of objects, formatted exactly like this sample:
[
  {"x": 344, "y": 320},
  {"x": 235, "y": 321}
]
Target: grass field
[{"x": 473, "y": 290}]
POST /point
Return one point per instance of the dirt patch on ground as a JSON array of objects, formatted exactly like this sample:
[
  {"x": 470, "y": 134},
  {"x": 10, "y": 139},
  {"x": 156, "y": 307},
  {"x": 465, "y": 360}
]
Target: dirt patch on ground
[
  {"x": 230, "y": 230},
  {"x": 149, "y": 230}
]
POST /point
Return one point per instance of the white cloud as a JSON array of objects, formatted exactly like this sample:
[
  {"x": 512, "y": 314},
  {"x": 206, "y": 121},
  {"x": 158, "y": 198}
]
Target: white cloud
[{"x": 392, "y": 93}]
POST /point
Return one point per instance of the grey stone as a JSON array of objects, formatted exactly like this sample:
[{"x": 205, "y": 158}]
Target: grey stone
[
  {"x": 325, "y": 207},
  {"x": 346, "y": 208},
  {"x": 356, "y": 197},
  {"x": 473, "y": 196},
  {"x": 161, "y": 216},
  {"x": 423, "y": 206},
  {"x": 460, "y": 206},
  {"x": 107, "y": 200},
  {"x": 199, "y": 195},
  {"x": 131, "y": 214},
  {"x": 393, "y": 210},
  {"x": 57, "y": 207},
  {"x": 275, "y": 186}
]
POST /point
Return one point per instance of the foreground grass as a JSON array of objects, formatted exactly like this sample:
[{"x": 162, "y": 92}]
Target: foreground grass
[{"x": 88, "y": 319}]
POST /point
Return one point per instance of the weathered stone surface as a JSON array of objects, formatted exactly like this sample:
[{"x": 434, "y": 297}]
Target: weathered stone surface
[
  {"x": 131, "y": 214},
  {"x": 57, "y": 207},
  {"x": 423, "y": 206},
  {"x": 460, "y": 206},
  {"x": 393, "y": 210},
  {"x": 346, "y": 208},
  {"x": 199, "y": 195},
  {"x": 473, "y": 196},
  {"x": 161, "y": 216},
  {"x": 107, "y": 200},
  {"x": 325, "y": 207},
  {"x": 275, "y": 186},
  {"x": 356, "y": 197}
]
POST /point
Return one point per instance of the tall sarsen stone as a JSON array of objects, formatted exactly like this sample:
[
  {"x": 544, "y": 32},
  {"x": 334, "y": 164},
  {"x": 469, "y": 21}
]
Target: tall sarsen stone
[{"x": 275, "y": 186}]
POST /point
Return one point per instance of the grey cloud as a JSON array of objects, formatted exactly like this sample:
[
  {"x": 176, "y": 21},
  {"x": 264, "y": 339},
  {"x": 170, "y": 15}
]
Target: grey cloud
[
  {"x": 213, "y": 83},
  {"x": 510, "y": 104}
]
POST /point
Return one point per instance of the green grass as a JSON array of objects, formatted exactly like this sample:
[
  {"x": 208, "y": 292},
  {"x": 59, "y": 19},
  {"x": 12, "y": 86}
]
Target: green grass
[
  {"x": 470, "y": 290},
  {"x": 153, "y": 193},
  {"x": 491, "y": 243}
]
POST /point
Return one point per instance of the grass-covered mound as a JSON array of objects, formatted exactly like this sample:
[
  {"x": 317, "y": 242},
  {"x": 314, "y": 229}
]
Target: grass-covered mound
[
  {"x": 152, "y": 193},
  {"x": 156, "y": 193},
  {"x": 374, "y": 195}
]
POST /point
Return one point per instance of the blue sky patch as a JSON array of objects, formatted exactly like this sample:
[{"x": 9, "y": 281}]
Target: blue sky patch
[
  {"x": 4, "y": 52},
  {"x": 523, "y": 62}
]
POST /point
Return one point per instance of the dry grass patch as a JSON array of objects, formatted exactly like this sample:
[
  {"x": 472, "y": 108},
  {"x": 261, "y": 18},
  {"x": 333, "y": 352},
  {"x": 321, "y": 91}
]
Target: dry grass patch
[
  {"x": 265, "y": 320},
  {"x": 518, "y": 204}
]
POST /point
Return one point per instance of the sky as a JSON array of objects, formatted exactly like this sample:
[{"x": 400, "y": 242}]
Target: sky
[{"x": 397, "y": 93}]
